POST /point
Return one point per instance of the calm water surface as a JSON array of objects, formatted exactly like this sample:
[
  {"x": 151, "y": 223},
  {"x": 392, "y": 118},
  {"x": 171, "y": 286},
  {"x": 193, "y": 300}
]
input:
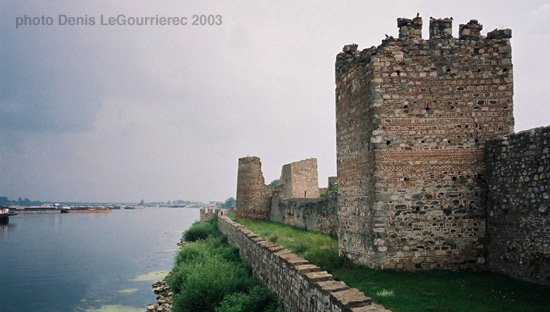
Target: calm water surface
[{"x": 88, "y": 262}]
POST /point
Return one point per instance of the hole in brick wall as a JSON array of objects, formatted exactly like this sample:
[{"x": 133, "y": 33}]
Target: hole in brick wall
[
  {"x": 406, "y": 106},
  {"x": 453, "y": 178},
  {"x": 448, "y": 70},
  {"x": 388, "y": 142},
  {"x": 452, "y": 107},
  {"x": 479, "y": 70},
  {"x": 398, "y": 72},
  {"x": 476, "y": 140},
  {"x": 405, "y": 179},
  {"x": 505, "y": 70},
  {"x": 449, "y": 141},
  {"x": 421, "y": 141}
]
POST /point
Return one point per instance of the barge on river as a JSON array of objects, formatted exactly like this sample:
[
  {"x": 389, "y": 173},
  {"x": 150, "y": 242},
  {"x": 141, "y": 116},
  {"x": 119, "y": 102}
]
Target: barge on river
[
  {"x": 86, "y": 210},
  {"x": 5, "y": 214}
]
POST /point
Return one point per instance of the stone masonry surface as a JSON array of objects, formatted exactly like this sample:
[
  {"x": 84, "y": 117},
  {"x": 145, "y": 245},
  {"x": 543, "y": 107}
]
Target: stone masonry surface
[
  {"x": 428, "y": 172},
  {"x": 300, "y": 285},
  {"x": 299, "y": 179},
  {"x": 518, "y": 201},
  {"x": 253, "y": 196},
  {"x": 312, "y": 214},
  {"x": 413, "y": 118}
]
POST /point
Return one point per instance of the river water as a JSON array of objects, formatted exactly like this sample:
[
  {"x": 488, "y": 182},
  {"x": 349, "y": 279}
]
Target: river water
[{"x": 88, "y": 262}]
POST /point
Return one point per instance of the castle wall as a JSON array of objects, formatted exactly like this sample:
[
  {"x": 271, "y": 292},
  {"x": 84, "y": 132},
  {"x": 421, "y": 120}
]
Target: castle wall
[
  {"x": 299, "y": 179},
  {"x": 413, "y": 117},
  {"x": 518, "y": 201},
  {"x": 208, "y": 213},
  {"x": 253, "y": 196},
  {"x": 300, "y": 285},
  {"x": 312, "y": 214}
]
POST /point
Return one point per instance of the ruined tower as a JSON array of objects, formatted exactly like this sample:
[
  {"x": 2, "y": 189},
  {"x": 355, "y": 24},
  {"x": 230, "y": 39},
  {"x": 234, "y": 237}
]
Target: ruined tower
[
  {"x": 413, "y": 116},
  {"x": 253, "y": 196},
  {"x": 299, "y": 179}
]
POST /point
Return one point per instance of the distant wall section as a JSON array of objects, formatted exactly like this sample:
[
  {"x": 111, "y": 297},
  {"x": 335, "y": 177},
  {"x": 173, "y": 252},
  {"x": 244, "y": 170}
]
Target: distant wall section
[
  {"x": 518, "y": 203},
  {"x": 312, "y": 214}
]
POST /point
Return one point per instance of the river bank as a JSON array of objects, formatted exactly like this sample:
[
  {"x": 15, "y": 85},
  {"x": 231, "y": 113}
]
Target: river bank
[{"x": 163, "y": 292}]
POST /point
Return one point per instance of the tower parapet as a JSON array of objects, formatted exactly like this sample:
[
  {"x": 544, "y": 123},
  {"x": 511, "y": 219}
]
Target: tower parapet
[
  {"x": 471, "y": 30},
  {"x": 410, "y": 28},
  {"x": 441, "y": 27}
]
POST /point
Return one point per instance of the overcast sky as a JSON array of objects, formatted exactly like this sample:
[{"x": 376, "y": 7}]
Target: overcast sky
[{"x": 124, "y": 113}]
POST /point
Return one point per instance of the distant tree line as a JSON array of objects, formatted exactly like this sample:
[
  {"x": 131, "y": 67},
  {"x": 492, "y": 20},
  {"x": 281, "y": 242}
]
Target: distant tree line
[
  {"x": 4, "y": 201},
  {"x": 230, "y": 202}
]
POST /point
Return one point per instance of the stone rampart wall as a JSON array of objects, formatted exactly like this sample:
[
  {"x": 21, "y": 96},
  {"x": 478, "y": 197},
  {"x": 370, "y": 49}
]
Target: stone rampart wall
[
  {"x": 312, "y": 214},
  {"x": 518, "y": 203},
  {"x": 207, "y": 213},
  {"x": 300, "y": 285}
]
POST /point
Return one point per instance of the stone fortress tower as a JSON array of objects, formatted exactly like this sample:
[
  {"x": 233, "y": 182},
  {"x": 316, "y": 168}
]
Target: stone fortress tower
[
  {"x": 253, "y": 196},
  {"x": 299, "y": 179},
  {"x": 413, "y": 117}
]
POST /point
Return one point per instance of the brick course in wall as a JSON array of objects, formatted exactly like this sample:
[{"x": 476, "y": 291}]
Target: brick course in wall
[
  {"x": 300, "y": 285},
  {"x": 413, "y": 117},
  {"x": 518, "y": 204}
]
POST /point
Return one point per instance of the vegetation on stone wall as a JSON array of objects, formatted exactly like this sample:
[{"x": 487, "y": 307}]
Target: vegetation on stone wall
[
  {"x": 209, "y": 275},
  {"x": 330, "y": 189},
  {"x": 431, "y": 290}
]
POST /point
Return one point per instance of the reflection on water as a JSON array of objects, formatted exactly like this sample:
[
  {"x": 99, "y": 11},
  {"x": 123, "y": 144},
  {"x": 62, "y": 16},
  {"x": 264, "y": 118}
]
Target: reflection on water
[{"x": 5, "y": 226}]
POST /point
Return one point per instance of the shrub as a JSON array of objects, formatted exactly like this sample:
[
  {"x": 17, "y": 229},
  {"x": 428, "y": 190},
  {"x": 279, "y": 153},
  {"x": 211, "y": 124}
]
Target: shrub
[
  {"x": 258, "y": 299},
  {"x": 208, "y": 270},
  {"x": 200, "y": 286},
  {"x": 192, "y": 252},
  {"x": 199, "y": 230}
]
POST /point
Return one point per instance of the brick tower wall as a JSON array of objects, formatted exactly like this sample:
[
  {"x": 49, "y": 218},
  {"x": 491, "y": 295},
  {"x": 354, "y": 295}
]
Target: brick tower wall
[
  {"x": 355, "y": 156},
  {"x": 413, "y": 117},
  {"x": 253, "y": 196}
]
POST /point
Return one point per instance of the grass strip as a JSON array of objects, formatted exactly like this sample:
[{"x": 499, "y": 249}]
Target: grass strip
[{"x": 429, "y": 290}]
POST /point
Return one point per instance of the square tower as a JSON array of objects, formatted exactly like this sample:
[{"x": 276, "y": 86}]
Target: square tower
[
  {"x": 412, "y": 119},
  {"x": 299, "y": 179}
]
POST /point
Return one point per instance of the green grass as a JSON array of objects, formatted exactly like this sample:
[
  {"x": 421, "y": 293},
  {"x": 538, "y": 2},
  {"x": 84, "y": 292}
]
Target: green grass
[{"x": 432, "y": 290}]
